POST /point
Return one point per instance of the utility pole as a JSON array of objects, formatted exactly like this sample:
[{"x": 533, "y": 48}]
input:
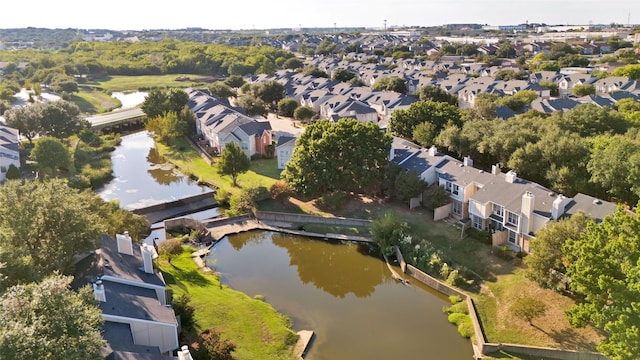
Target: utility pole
[{"x": 385, "y": 27}]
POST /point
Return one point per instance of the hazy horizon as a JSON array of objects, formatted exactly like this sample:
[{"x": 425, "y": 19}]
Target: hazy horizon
[{"x": 251, "y": 14}]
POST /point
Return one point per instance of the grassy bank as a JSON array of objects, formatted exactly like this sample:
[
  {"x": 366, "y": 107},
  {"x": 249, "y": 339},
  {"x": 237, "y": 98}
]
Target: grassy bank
[
  {"x": 256, "y": 328},
  {"x": 146, "y": 82},
  {"x": 262, "y": 172}
]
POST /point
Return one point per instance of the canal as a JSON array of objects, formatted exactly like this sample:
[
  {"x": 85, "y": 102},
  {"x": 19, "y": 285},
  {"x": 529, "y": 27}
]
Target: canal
[{"x": 344, "y": 292}]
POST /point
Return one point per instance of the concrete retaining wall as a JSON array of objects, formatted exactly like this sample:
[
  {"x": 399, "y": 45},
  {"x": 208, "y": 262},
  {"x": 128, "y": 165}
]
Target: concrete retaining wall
[
  {"x": 176, "y": 203},
  {"x": 545, "y": 353},
  {"x": 271, "y": 216}
]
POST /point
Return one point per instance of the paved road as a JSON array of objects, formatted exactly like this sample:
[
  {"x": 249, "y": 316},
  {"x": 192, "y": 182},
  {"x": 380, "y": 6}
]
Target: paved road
[
  {"x": 283, "y": 126},
  {"x": 115, "y": 116}
]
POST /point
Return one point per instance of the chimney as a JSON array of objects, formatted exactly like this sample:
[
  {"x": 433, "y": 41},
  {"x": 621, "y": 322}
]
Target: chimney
[
  {"x": 526, "y": 209},
  {"x": 557, "y": 207},
  {"x": 184, "y": 353},
  {"x": 98, "y": 291},
  {"x": 392, "y": 153},
  {"x": 125, "y": 244},
  {"x": 467, "y": 161},
  {"x": 511, "y": 176},
  {"x": 495, "y": 169},
  {"x": 148, "y": 254},
  {"x": 433, "y": 151}
]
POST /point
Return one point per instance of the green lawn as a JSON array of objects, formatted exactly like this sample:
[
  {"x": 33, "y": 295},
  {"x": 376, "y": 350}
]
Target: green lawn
[
  {"x": 262, "y": 172},
  {"x": 256, "y": 328},
  {"x": 146, "y": 82},
  {"x": 91, "y": 101}
]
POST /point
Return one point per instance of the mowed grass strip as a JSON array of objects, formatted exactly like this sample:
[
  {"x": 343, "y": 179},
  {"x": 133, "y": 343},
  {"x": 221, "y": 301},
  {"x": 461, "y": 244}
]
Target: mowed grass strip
[
  {"x": 132, "y": 83},
  {"x": 257, "y": 329},
  {"x": 262, "y": 172}
]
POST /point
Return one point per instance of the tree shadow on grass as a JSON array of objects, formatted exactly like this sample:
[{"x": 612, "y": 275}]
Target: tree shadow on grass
[
  {"x": 195, "y": 277},
  {"x": 571, "y": 339}
]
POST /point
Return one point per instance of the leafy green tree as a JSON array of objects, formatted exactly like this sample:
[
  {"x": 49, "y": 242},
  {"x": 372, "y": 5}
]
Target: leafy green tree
[
  {"x": 64, "y": 84},
  {"x": 26, "y": 119},
  {"x": 484, "y": 106},
  {"x": 304, "y": 113},
  {"x": 155, "y": 104},
  {"x": 343, "y": 75},
  {"x": 61, "y": 119},
  {"x": 48, "y": 320},
  {"x": 603, "y": 265},
  {"x": 391, "y": 84},
  {"x": 233, "y": 162},
  {"x": 234, "y": 81},
  {"x": 519, "y": 100},
  {"x": 435, "y": 196},
  {"x": 169, "y": 248},
  {"x": 528, "y": 308},
  {"x": 632, "y": 71},
  {"x": 177, "y": 99},
  {"x": 51, "y": 155},
  {"x": 590, "y": 120},
  {"x": 13, "y": 173},
  {"x": 315, "y": 72},
  {"x": 408, "y": 185},
  {"x": 553, "y": 87},
  {"x": 326, "y": 47},
  {"x": 345, "y": 156},
  {"x": 404, "y": 122},
  {"x": 293, "y": 64},
  {"x": 166, "y": 127},
  {"x": 614, "y": 165},
  {"x": 437, "y": 94},
  {"x": 287, "y": 106},
  {"x": 244, "y": 201},
  {"x": 425, "y": 134},
  {"x": 269, "y": 91},
  {"x": 388, "y": 230},
  {"x": 47, "y": 225},
  {"x": 545, "y": 263},
  {"x": 583, "y": 90},
  {"x": 221, "y": 90},
  {"x": 252, "y": 106}
]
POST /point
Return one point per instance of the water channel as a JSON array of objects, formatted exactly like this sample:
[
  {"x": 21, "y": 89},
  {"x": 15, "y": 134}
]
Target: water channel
[{"x": 343, "y": 292}]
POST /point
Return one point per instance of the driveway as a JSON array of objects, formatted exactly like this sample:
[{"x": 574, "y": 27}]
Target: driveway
[{"x": 283, "y": 126}]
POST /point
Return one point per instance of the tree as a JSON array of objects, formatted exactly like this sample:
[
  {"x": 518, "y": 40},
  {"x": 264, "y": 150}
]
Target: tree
[
  {"x": 604, "y": 268},
  {"x": 304, "y": 113},
  {"x": 177, "y": 99},
  {"x": 437, "y": 94},
  {"x": 270, "y": 92},
  {"x": 435, "y": 196},
  {"x": 234, "y": 81},
  {"x": 315, "y": 72},
  {"x": 166, "y": 127},
  {"x": 221, "y": 90},
  {"x": 287, "y": 106},
  {"x": 155, "y": 104},
  {"x": 545, "y": 263},
  {"x": 528, "y": 308},
  {"x": 343, "y": 75},
  {"x": 391, "y": 84},
  {"x": 252, "y": 106},
  {"x": 293, "y": 64},
  {"x": 233, "y": 162},
  {"x": 408, "y": 185},
  {"x": 61, "y": 119},
  {"x": 403, "y": 122},
  {"x": 51, "y": 155},
  {"x": 631, "y": 71},
  {"x": 553, "y": 87},
  {"x": 345, "y": 156},
  {"x": 48, "y": 320},
  {"x": 614, "y": 165},
  {"x": 583, "y": 90},
  {"x": 13, "y": 173},
  {"x": 26, "y": 119},
  {"x": 425, "y": 134},
  {"x": 326, "y": 47},
  {"x": 388, "y": 230},
  {"x": 64, "y": 84},
  {"x": 169, "y": 248},
  {"x": 47, "y": 225}
]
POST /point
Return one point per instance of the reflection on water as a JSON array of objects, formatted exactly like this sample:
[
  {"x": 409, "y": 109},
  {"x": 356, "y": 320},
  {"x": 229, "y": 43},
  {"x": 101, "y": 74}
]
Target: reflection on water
[
  {"x": 344, "y": 293},
  {"x": 129, "y": 100},
  {"x": 142, "y": 178}
]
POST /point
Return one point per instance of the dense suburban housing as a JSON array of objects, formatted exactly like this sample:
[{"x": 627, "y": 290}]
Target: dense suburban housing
[{"x": 513, "y": 209}]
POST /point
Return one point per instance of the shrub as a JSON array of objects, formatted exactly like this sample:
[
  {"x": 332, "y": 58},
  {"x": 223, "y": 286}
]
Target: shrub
[
  {"x": 182, "y": 307},
  {"x": 333, "y": 200},
  {"x": 211, "y": 345},
  {"x": 482, "y": 236},
  {"x": 170, "y": 247},
  {"x": 454, "y": 299},
  {"x": 222, "y": 196},
  {"x": 13, "y": 173},
  {"x": 280, "y": 191},
  {"x": 445, "y": 270},
  {"x": 528, "y": 308}
]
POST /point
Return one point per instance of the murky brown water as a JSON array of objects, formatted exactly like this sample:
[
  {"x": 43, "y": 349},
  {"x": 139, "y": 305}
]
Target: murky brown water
[{"x": 344, "y": 293}]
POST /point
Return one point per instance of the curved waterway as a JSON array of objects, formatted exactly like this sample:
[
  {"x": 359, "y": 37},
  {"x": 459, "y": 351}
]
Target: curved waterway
[
  {"x": 142, "y": 178},
  {"x": 344, "y": 292}
]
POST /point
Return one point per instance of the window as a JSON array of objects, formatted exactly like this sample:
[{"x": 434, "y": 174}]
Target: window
[
  {"x": 245, "y": 145},
  {"x": 477, "y": 222},
  {"x": 3, "y": 169},
  {"x": 457, "y": 207},
  {"x": 512, "y": 237},
  {"x": 497, "y": 226},
  {"x": 497, "y": 210},
  {"x": 452, "y": 188},
  {"x": 512, "y": 218}
]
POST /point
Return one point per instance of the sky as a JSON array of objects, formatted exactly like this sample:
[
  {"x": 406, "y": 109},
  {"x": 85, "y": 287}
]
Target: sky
[{"x": 266, "y": 14}]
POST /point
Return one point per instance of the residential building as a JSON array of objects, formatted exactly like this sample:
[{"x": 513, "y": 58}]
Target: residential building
[
  {"x": 284, "y": 150},
  {"x": 9, "y": 149}
]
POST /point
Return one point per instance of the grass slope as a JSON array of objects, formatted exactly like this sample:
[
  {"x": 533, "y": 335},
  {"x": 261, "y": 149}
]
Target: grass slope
[{"x": 257, "y": 329}]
